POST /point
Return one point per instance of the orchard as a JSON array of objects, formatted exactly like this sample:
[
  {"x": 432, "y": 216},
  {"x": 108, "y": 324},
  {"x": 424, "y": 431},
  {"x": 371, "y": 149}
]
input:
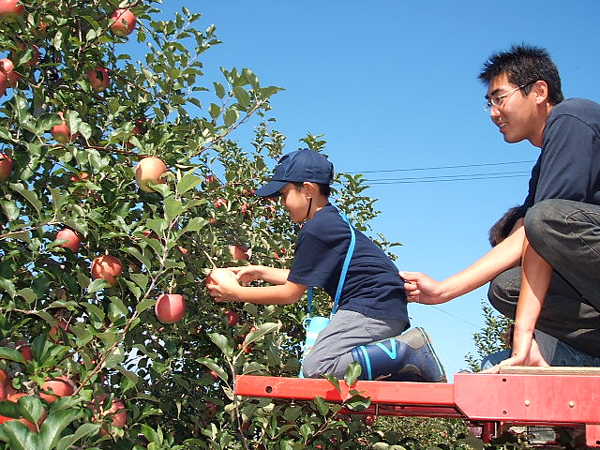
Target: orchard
[{"x": 123, "y": 186}]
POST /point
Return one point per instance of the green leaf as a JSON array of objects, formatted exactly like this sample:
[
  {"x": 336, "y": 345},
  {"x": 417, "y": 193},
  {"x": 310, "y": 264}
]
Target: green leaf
[
  {"x": 231, "y": 116},
  {"x": 116, "y": 357},
  {"x": 352, "y": 373},
  {"x": 263, "y": 329},
  {"x": 28, "y": 195},
  {"x": 322, "y": 405},
  {"x": 173, "y": 208},
  {"x": 219, "y": 90},
  {"x": 187, "y": 182},
  {"x": 221, "y": 342},
  {"x": 145, "y": 304},
  {"x": 242, "y": 96},
  {"x": 214, "y": 110},
  {"x": 54, "y": 425},
  {"x": 87, "y": 429},
  {"x": 12, "y": 354}
]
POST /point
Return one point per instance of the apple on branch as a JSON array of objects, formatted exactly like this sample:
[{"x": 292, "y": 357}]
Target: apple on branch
[
  {"x": 150, "y": 170},
  {"x": 122, "y": 22}
]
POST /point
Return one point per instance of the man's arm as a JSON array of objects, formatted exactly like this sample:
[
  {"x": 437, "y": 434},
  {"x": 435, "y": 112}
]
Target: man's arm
[
  {"x": 423, "y": 289},
  {"x": 535, "y": 280}
]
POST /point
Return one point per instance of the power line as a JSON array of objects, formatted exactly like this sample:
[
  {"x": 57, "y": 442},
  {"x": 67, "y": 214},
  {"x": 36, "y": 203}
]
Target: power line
[
  {"x": 441, "y": 167},
  {"x": 446, "y": 178}
]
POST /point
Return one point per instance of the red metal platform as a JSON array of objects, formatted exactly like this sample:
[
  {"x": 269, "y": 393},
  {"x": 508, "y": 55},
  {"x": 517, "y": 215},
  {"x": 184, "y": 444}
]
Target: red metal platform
[{"x": 495, "y": 401}]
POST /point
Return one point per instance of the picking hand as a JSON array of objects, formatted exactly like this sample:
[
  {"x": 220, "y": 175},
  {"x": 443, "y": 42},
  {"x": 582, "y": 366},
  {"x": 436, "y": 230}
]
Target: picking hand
[{"x": 421, "y": 288}]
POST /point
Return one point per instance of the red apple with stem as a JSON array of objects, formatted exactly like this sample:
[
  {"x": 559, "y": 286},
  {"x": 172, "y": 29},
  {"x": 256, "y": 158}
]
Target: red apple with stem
[
  {"x": 122, "y": 22},
  {"x": 170, "y": 308},
  {"x": 3, "y": 83},
  {"x": 57, "y": 387},
  {"x": 61, "y": 133},
  {"x": 14, "y": 398},
  {"x": 71, "y": 237},
  {"x": 240, "y": 252},
  {"x": 107, "y": 267},
  {"x": 10, "y": 10},
  {"x": 116, "y": 413},
  {"x": 8, "y": 68},
  {"x": 6, "y": 166},
  {"x": 99, "y": 78},
  {"x": 150, "y": 170},
  {"x": 232, "y": 318}
]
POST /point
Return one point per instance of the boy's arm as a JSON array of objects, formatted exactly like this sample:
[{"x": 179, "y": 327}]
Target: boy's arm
[
  {"x": 224, "y": 287},
  {"x": 423, "y": 289},
  {"x": 272, "y": 275}
]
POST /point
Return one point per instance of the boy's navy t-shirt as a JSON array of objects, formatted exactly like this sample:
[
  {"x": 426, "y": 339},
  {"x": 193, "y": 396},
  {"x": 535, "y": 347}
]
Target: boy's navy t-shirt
[{"x": 372, "y": 286}]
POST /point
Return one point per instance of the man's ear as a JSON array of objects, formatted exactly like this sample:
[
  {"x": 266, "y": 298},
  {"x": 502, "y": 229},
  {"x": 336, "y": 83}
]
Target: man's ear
[{"x": 541, "y": 91}]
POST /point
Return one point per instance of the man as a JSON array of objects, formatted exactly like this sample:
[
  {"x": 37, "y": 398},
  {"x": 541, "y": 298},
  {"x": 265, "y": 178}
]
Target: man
[{"x": 546, "y": 273}]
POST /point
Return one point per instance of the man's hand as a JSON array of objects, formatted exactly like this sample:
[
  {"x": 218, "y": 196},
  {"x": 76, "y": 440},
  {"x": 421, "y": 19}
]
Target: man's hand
[{"x": 421, "y": 288}]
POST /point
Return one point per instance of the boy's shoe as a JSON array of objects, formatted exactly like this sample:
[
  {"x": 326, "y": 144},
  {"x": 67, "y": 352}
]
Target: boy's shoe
[
  {"x": 408, "y": 357},
  {"x": 422, "y": 361}
]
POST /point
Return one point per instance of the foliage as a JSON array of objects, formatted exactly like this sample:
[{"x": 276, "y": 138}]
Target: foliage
[
  {"x": 492, "y": 338},
  {"x": 174, "y": 381}
]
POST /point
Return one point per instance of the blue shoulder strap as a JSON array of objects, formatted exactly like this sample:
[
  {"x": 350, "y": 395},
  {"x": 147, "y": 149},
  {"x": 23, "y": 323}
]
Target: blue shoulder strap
[{"x": 340, "y": 286}]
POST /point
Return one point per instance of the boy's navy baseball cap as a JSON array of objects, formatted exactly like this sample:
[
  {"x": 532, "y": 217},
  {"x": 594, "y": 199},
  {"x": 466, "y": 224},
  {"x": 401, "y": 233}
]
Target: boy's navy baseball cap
[{"x": 299, "y": 166}]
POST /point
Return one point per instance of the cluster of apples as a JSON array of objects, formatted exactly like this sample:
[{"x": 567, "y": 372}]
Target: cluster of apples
[{"x": 62, "y": 386}]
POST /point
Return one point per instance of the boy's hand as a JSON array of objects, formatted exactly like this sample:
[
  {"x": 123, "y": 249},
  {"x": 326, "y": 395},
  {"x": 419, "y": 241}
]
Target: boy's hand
[
  {"x": 221, "y": 284},
  {"x": 421, "y": 288},
  {"x": 246, "y": 274}
]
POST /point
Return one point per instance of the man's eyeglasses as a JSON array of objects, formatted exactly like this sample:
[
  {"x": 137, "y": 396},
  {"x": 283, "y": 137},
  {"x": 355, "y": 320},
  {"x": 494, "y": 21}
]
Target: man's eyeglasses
[{"x": 498, "y": 100}]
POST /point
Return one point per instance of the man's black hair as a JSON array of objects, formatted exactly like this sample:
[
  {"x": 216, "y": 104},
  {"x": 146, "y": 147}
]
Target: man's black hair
[{"x": 523, "y": 65}]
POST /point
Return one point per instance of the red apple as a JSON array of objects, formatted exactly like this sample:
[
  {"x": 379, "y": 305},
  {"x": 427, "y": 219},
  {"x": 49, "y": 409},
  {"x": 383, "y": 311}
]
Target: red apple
[
  {"x": 99, "y": 78},
  {"x": 6, "y": 166},
  {"x": 81, "y": 177},
  {"x": 107, "y": 267},
  {"x": 116, "y": 413},
  {"x": 71, "y": 237},
  {"x": 122, "y": 22},
  {"x": 57, "y": 387},
  {"x": 10, "y": 9},
  {"x": 150, "y": 169},
  {"x": 8, "y": 68},
  {"x": 240, "y": 252},
  {"x": 15, "y": 398},
  {"x": 3, "y": 83},
  {"x": 232, "y": 318},
  {"x": 220, "y": 202},
  {"x": 35, "y": 56},
  {"x": 61, "y": 133},
  {"x": 170, "y": 308},
  {"x": 25, "y": 350}
]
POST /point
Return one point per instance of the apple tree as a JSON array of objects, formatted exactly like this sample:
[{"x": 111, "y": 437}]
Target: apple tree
[{"x": 122, "y": 186}]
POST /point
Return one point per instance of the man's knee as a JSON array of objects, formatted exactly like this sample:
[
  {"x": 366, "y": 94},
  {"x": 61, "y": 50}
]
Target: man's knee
[
  {"x": 545, "y": 216},
  {"x": 503, "y": 292}
]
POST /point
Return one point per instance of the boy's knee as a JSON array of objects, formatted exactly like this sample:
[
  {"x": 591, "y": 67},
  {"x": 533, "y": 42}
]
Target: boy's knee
[{"x": 504, "y": 291}]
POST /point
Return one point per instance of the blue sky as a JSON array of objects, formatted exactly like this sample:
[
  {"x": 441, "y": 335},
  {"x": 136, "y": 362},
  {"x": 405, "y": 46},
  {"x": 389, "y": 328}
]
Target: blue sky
[{"x": 392, "y": 86}]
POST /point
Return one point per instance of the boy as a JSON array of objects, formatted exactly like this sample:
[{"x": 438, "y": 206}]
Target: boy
[{"x": 373, "y": 304}]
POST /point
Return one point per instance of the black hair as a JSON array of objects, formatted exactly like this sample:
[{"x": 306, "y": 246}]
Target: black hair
[
  {"x": 504, "y": 226},
  {"x": 523, "y": 65},
  {"x": 324, "y": 189}
]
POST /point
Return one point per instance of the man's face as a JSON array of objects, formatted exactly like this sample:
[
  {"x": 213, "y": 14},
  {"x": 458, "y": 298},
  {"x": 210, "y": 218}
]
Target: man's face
[{"x": 515, "y": 116}]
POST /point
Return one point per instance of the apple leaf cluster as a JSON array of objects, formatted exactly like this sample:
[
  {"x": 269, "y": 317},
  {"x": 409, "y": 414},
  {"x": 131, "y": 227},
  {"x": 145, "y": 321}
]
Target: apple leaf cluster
[{"x": 86, "y": 253}]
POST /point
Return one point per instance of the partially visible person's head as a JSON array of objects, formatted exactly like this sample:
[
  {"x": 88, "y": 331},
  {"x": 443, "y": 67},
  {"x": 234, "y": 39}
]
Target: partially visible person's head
[
  {"x": 299, "y": 167},
  {"x": 524, "y": 65},
  {"x": 506, "y": 224}
]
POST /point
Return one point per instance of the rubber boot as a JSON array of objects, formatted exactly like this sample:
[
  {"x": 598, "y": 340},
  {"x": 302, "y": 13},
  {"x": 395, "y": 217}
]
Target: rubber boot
[{"x": 408, "y": 357}]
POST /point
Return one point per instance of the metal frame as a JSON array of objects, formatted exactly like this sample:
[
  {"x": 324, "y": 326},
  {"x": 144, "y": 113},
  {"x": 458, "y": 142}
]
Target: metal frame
[{"x": 491, "y": 402}]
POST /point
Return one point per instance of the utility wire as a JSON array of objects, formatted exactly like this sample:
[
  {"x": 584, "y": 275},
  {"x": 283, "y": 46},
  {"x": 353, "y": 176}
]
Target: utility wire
[
  {"x": 442, "y": 178},
  {"x": 440, "y": 167}
]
